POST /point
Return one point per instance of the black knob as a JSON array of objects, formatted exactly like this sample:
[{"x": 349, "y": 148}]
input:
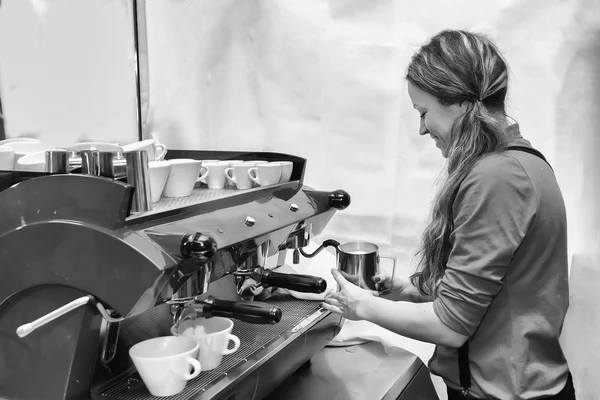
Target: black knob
[
  {"x": 198, "y": 246},
  {"x": 339, "y": 199}
]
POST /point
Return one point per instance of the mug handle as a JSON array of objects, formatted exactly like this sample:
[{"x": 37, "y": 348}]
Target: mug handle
[
  {"x": 393, "y": 274},
  {"x": 161, "y": 151},
  {"x": 236, "y": 344},
  {"x": 252, "y": 174},
  {"x": 229, "y": 177},
  {"x": 197, "y": 368},
  {"x": 203, "y": 175}
]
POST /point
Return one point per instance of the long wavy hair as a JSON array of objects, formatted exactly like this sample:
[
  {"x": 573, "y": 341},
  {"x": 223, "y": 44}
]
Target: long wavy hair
[{"x": 457, "y": 67}]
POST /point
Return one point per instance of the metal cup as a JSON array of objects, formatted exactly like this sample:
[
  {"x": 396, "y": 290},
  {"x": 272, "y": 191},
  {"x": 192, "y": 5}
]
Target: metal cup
[
  {"x": 57, "y": 161},
  {"x": 138, "y": 176},
  {"x": 359, "y": 263}
]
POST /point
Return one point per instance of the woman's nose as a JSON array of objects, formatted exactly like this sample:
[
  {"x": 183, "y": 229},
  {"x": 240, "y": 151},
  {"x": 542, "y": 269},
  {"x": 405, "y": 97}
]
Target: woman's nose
[{"x": 422, "y": 128}]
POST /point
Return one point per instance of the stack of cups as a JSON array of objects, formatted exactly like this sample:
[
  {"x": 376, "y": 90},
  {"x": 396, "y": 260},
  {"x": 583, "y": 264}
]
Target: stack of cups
[{"x": 245, "y": 175}]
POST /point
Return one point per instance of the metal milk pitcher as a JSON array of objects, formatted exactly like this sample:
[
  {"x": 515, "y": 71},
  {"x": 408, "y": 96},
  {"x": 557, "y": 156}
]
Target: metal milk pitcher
[{"x": 359, "y": 263}]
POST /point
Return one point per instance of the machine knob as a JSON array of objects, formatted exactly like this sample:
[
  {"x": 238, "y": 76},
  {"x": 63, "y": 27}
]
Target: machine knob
[
  {"x": 198, "y": 246},
  {"x": 249, "y": 221},
  {"x": 339, "y": 199},
  {"x": 293, "y": 207}
]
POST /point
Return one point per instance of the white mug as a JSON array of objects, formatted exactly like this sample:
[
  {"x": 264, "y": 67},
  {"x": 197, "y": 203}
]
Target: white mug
[
  {"x": 164, "y": 363},
  {"x": 182, "y": 178},
  {"x": 228, "y": 182},
  {"x": 213, "y": 173},
  {"x": 34, "y": 162},
  {"x": 155, "y": 150},
  {"x": 159, "y": 173},
  {"x": 100, "y": 146},
  {"x": 265, "y": 174},
  {"x": 23, "y": 148},
  {"x": 7, "y": 158},
  {"x": 13, "y": 140},
  {"x": 213, "y": 336},
  {"x": 286, "y": 170},
  {"x": 237, "y": 175}
]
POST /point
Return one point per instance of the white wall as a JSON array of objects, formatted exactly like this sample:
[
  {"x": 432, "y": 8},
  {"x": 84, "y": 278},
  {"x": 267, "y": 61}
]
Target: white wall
[
  {"x": 68, "y": 70},
  {"x": 324, "y": 80}
]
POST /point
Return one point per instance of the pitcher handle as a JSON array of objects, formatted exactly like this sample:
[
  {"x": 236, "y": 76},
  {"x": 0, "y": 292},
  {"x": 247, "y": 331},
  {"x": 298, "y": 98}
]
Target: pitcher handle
[{"x": 393, "y": 274}]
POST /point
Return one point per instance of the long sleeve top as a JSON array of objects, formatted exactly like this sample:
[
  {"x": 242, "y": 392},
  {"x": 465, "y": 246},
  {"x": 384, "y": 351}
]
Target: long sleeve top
[{"x": 506, "y": 281}]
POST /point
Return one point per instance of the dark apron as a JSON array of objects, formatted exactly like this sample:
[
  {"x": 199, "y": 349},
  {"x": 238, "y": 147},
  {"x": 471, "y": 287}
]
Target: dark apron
[{"x": 568, "y": 393}]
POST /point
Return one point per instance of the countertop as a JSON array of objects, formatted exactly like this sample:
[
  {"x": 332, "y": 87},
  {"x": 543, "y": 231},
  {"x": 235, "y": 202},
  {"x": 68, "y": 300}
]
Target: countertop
[{"x": 362, "y": 371}]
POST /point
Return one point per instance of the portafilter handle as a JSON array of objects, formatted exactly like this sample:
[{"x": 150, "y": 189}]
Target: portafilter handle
[
  {"x": 248, "y": 311},
  {"x": 253, "y": 312},
  {"x": 295, "y": 282}
]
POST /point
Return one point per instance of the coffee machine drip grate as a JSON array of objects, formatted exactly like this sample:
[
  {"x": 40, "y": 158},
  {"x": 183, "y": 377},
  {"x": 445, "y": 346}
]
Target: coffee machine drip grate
[{"x": 253, "y": 338}]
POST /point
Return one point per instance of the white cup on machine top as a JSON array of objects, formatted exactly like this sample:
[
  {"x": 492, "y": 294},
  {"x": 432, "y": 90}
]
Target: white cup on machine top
[
  {"x": 182, "y": 178},
  {"x": 165, "y": 364},
  {"x": 238, "y": 176},
  {"x": 33, "y": 162},
  {"x": 213, "y": 336},
  {"x": 286, "y": 170},
  {"x": 156, "y": 151},
  {"x": 18, "y": 139},
  {"x": 213, "y": 173},
  {"x": 7, "y": 158},
  {"x": 229, "y": 183},
  {"x": 265, "y": 174},
  {"x": 23, "y": 148},
  {"x": 159, "y": 173},
  {"x": 100, "y": 146}
]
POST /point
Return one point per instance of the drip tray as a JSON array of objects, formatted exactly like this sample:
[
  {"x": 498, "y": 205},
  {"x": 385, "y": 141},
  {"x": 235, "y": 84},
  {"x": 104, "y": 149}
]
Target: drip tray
[{"x": 253, "y": 338}]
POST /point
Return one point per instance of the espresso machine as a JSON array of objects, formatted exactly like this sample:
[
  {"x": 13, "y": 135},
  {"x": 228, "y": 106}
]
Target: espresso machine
[{"x": 69, "y": 238}]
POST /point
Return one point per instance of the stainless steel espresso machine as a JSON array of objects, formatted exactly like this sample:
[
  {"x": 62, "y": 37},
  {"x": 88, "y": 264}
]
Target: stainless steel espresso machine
[{"x": 65, "y": 237}]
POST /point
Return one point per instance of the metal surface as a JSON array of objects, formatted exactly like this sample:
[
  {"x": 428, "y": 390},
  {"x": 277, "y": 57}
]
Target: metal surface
[
  {"x": 200, "y": 195},
  {"x": 258, "y": 343},
  {"x": 57, "y": 161},
  {"x": 138, "y": 176},
  {"x": 65, "y": 236},
  {"x": 360, "y": 372}
]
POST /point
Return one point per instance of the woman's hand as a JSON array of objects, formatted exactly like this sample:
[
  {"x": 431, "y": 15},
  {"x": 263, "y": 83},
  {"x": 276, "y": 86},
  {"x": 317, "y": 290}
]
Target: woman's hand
[
  {"x": 398, "y": 289},
  {"x": 348, "y": 301}
]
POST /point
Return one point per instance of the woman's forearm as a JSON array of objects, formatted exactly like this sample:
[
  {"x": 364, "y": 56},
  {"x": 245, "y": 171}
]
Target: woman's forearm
[
  {"x": 416, "y": 321},
  {"x": 414, "y": 296},
  {"x": 404, "y": 290}
]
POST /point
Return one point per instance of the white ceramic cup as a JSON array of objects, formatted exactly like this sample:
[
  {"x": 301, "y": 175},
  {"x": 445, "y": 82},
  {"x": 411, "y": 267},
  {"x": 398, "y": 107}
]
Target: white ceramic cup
[
  {"x": 7, "y": 158},
  {"x": 165, "y": 363},
  {"x": 265, "y": 174},
  {"x": 182, "y": 178},
  {"x": 155, "y": 150},
  {"x": 13, "y": 140},
  {"x": 24, "y": 148},
  {"x": 213, "y": 173},
  {"x": 286, "y": 170},
  {"x": 159, "y": 173},
  {"x": 237, "y": 175},
  {"x": 34, "y": 162},
  {"x": 100, "y": 146},
  {"x": 229, "y": 183},
  {"x": 213, "y": 336}
]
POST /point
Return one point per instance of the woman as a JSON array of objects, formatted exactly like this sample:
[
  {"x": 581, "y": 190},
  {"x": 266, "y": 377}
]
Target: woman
[{"x": 491, "y": 290}]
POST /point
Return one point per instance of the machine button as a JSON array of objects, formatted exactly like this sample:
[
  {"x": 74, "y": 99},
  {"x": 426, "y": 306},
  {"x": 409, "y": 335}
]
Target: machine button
[
  {"x": 198, "y": 246},
  {"x": 249, "y": 221},
  {"x": 293, "y": 207}
]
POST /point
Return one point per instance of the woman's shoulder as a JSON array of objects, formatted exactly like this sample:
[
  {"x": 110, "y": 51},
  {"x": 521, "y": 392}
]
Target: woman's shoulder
[
  {"x": 498, "y": 166},
  {"x": 498, "y": 173}
]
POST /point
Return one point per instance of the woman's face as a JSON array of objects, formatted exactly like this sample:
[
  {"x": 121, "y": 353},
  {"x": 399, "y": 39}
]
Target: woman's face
[{"x": 436, "y": 118}]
